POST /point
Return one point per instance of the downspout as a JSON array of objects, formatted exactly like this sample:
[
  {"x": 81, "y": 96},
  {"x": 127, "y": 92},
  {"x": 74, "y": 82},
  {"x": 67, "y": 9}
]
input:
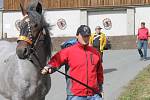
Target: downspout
[
  {"x": 134, "y": 21},
  {"x": 2, "y": 24}
]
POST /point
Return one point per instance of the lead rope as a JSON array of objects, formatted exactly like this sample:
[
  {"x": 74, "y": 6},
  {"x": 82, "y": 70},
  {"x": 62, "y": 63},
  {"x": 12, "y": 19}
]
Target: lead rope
[
  {"x": 35, "y": 55},
  {"x": 68, "y": 76},
  {"x": 79, "y": 82}
]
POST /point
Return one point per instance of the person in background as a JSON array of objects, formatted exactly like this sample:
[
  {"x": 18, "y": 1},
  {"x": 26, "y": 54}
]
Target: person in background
[
  {"x": 84, "y": 64},
  {"x": 98, "y": 40},
  {"x": 142, "y": 41}
]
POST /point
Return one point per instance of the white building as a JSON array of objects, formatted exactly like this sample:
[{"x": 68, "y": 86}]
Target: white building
[
  {"x": 123, "y": 21},
  {"x": 117, "y": 18}
]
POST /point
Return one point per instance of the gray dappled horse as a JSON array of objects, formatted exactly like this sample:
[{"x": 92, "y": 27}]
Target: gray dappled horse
[{"x": 20, "y": 77}]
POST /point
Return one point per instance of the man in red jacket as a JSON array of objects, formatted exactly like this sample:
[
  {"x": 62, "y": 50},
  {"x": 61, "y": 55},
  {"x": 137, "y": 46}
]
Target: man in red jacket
[
  {"x": 142, "y": 40},
  {"x": 84, "y": 65}
]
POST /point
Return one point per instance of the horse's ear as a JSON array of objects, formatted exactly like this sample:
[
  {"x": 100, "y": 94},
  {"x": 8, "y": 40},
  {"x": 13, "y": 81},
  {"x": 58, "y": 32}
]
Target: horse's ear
[
  {"x": 23, "y": 10},
  {"x": 39, "y": 8}
]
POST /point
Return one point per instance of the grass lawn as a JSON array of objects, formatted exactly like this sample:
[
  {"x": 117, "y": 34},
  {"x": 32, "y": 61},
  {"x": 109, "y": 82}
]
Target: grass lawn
[{"x": 139, "y": 88}]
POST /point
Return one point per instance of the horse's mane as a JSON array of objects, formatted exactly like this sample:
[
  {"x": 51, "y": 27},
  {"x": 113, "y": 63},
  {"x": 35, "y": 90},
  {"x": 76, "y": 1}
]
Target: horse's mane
[{"x": 46, "y": 30}]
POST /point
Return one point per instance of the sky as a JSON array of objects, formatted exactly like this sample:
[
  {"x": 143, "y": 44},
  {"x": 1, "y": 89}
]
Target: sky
[{"x": 1, "y": 3}]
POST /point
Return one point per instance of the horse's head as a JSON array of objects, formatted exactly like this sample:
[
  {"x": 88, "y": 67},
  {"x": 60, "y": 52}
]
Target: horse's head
[{"x": 30, "y": 29}]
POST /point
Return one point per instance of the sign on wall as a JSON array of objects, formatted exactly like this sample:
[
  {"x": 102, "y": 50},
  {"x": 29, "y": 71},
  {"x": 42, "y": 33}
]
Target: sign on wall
[
  {"x": 107, "y": 23},
  {"x": 64, "y": 22},
  {"x": 61, "y": 23}
]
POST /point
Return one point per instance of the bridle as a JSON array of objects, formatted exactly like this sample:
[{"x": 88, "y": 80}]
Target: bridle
[{"x": 31, "y": 41}]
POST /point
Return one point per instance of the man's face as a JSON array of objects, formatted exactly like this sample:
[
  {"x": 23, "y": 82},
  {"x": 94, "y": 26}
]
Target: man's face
[
  {"x": 98, "y": 30},
  {"x": 142, "y": 25},
  {"x": 83, "y": 39}
]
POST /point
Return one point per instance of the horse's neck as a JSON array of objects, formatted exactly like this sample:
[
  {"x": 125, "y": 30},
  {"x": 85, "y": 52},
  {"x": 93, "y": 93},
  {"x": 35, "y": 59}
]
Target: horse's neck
[{"x": 41, "y": 52}]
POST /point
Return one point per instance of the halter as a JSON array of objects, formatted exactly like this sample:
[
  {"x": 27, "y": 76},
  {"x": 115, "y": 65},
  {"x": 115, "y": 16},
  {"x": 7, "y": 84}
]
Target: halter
[
  {"x": 24, "y": 38},
  {"x": 29, "y": 39}
]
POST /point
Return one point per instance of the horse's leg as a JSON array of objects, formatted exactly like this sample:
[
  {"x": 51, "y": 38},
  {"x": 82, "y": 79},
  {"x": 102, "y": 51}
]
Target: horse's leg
[
  {"x": 43, "y": 88},
  {"x": 39, "y": 95}
]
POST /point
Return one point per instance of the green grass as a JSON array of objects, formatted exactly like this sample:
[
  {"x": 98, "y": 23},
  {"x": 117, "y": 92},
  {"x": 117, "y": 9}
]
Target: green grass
[{"x": 139, "y": 88}]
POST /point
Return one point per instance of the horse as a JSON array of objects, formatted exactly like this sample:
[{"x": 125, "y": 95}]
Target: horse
[{"x": 20, "y": 68}]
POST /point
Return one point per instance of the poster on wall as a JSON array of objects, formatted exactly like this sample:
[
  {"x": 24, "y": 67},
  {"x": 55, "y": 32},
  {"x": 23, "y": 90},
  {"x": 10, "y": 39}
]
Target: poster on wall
[
  {"x": 61, "y": 23},
  {"x": 107, "y": 23}
]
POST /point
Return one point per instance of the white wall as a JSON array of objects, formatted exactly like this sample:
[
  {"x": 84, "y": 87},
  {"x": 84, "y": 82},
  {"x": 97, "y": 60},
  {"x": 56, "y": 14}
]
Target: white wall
[
  {"x": 83, "y": 17},
  {"x": 118, "y": 19},
  {"x": 130, "y": 21},
  {"x": 1, "y": 26},
  {"x": 72, "y": 18},
  {"x": 121, "y": 21},
  {"x": 142, "y": 14},
  {"x": 9, "y": 20}
]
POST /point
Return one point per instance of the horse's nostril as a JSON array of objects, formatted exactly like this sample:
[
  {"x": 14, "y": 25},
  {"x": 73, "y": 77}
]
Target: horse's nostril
[
  {"x": 25, "y": 53},
  {"x": 22, "y": 53}
]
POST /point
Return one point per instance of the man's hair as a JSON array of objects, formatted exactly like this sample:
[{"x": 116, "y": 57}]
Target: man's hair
[
  {"x": 77, "y": 34},
  {"x": 98, "y": 27},
  {"x": 143, "y": 23}
]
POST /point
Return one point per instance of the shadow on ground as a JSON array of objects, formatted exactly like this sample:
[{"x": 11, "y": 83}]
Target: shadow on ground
[
  {"x": 148, "y": 58},
  {"x": 109, "y": 70}
]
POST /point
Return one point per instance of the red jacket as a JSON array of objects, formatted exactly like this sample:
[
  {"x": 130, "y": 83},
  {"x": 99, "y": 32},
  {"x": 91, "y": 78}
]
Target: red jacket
[
  {"x": 143, "y": 33},
  {"x": 84, "y": 65}
]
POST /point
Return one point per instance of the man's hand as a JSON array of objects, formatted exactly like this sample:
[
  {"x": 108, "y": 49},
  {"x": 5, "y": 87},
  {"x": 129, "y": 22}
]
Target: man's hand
[
  {"x": 136, "y": 41},
  {"x": 46, "y": 70},
  {"x": 102, "y": 94},
  {"x": 101, "y": 49}
]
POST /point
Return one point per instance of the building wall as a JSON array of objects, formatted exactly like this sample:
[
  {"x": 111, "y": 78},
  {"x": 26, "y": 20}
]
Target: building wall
[
  {"x": 118, "y": 22},
  {"x": 71, "y": 17},
  {"x": 130, "y": 21},
  {"x": 9, "y": 19},
  {"x": 124, "y": 22},
  {"x": 1, "y": 23},
  {"x": 142, "y": 14}
]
